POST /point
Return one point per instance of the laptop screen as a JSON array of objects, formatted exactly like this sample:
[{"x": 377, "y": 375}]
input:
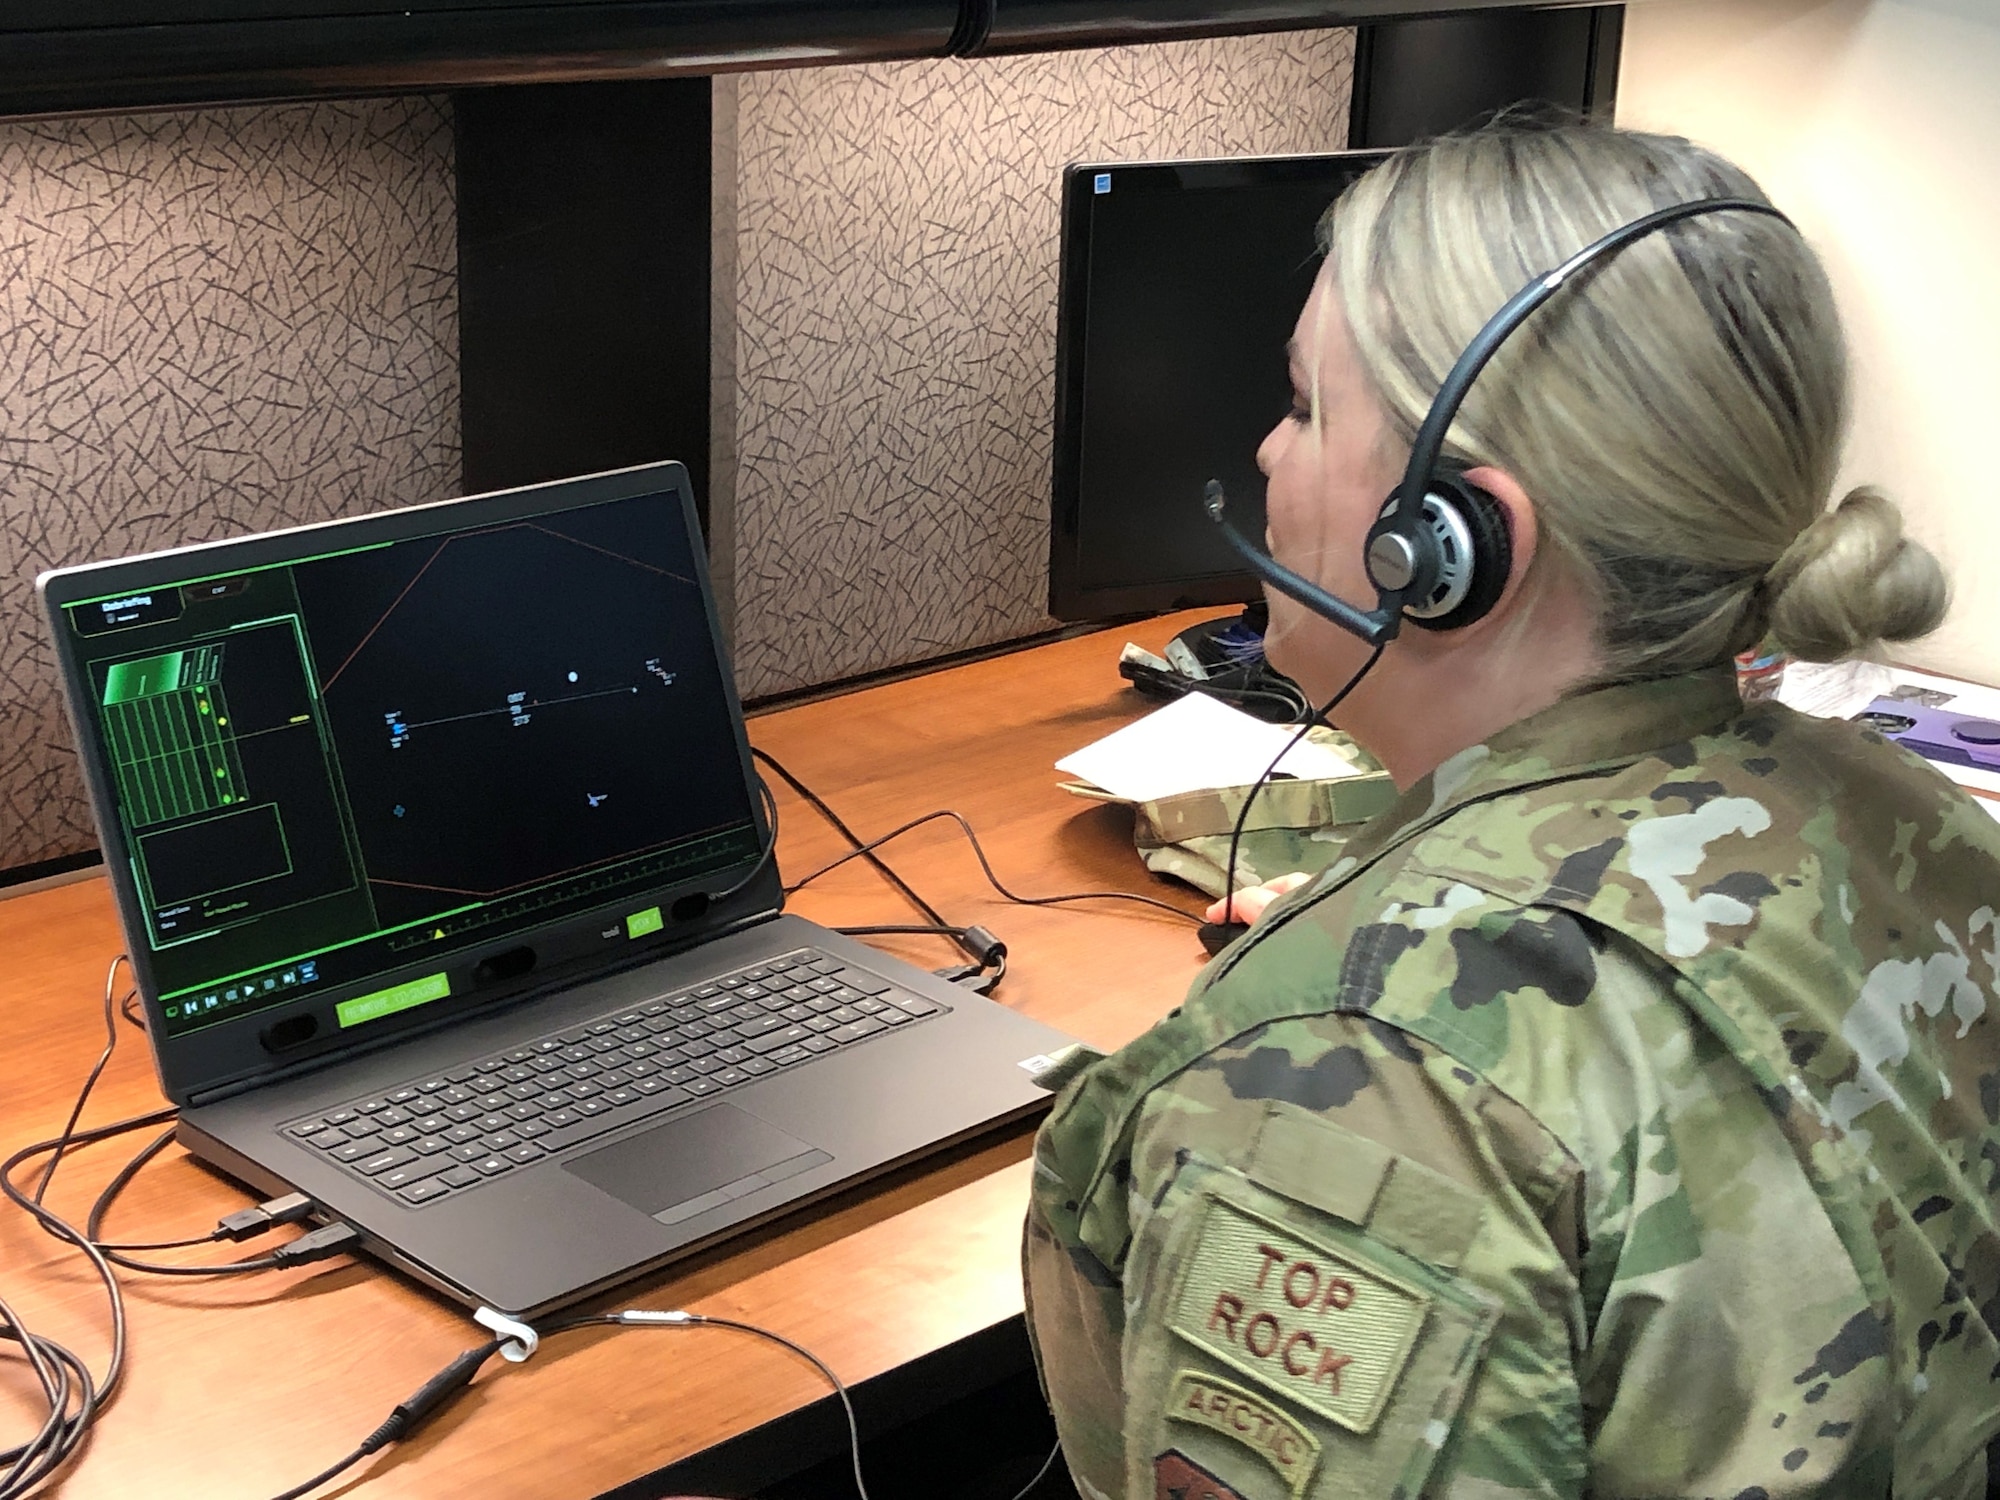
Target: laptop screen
[{"x": 363, "y": 760}]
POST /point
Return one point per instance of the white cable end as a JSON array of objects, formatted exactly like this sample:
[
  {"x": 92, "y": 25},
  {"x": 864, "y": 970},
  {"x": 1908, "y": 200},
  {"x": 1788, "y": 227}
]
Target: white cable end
[
  {"x": 641, "y": 1316},
  {"x": 520, "y": 1339}
]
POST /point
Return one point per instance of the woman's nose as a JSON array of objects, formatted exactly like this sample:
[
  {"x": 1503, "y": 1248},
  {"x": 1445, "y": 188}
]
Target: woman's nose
[{"x": 1272, "y": 447}]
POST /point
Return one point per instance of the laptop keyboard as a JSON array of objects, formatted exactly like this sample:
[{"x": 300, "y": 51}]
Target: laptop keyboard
[{"x": 452, "y": 1131}]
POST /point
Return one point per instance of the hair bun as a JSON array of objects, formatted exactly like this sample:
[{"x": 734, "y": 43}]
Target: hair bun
[{"x": 1852, "y": 578}]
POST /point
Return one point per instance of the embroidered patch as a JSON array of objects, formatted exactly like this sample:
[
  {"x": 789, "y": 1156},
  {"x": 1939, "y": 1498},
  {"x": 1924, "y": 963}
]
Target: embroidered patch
[
  {"x": 1177, "y": 1477},
  {"x": 1249, "y": 1420},
  {"x": 1296, "y": 1317}
]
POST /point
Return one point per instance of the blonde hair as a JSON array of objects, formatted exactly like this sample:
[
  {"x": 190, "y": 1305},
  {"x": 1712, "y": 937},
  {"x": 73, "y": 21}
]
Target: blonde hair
[{"x": 1676, "y": 412}]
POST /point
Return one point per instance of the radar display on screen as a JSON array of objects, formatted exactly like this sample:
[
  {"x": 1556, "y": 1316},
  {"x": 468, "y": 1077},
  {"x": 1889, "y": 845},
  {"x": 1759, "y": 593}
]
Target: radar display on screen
[{"x": 324, "y": 767}]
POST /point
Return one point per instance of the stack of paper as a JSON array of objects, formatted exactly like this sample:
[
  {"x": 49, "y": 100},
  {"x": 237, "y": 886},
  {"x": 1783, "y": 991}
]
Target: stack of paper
[{"x": 1193, "y": 743}]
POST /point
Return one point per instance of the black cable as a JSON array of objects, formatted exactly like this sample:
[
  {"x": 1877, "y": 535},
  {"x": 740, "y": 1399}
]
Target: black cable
[
  {"x": 29, "y": 1200},
  {"x": 93, "y": 1224},
  {"x": 332, "y": 1471},
  {"x": 63, "y": 1377},
  {"x": 75, "y": 1397},
  {"x": 83, "y": 1095},
  {"x": 1318, "y": 716},
  {"x": 976, "y": 977},
  {"x": 317, "y": 1244},
  {"x": 441, "y": 1388},
  {"x": 716, "y": 898},
  {"x": 410, "y": 1413},
  {"x": 237, "y": 1226},
  {"x": 25, "y": 1467},
  {"x": 987, "y": 952},
  {"x": 108, "y": 1246},
  {"x": 449, "y": 1381},
  {"x": 819, "y": 805},
  {"x": 636, "y": 1318},
  {"x": 987, "y": 868},
  {"x": 883, "y": 929},
  {"x": 980, "y": 945}
]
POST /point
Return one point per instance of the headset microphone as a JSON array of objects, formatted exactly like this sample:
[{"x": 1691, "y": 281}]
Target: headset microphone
[
  {"x": 1373, "y": 627},
  {"x": 1439, "y": 553}
]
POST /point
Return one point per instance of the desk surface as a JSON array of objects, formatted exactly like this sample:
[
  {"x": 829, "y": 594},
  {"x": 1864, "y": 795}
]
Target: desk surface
[{"x": 242, "y": 1387}]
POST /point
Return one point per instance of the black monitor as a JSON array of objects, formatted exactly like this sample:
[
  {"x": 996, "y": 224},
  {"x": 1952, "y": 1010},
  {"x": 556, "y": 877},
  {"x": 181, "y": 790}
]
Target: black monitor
[{"x": 1181, "y": 282}]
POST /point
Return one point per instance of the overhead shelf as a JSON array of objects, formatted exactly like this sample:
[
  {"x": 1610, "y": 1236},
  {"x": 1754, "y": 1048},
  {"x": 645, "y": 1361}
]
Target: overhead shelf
[{"x": 59, "y": 57}]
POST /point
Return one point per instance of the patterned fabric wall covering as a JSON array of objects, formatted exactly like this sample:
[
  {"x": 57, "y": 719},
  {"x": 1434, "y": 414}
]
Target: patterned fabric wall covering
[
  {"x": 896, "y": 288},
  {"x": 210, "y": 323}
]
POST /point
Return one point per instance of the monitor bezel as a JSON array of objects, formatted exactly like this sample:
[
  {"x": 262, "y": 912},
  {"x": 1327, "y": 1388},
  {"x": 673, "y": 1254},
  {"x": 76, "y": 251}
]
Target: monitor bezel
[{"x": 1069, "y": 598}]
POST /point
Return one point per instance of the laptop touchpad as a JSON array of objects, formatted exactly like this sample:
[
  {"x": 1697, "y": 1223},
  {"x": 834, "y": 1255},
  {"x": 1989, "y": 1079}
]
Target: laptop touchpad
[{"x": 695, "y": 1163}]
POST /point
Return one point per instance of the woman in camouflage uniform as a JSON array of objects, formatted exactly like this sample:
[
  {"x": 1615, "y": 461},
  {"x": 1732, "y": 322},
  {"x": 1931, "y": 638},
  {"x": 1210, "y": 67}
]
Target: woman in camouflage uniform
[{"x": 1617, "y": 1117}]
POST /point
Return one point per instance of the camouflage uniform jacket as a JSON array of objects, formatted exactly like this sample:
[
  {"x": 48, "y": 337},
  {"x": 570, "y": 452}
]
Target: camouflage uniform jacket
[{"x": 1615, "y": 1117}]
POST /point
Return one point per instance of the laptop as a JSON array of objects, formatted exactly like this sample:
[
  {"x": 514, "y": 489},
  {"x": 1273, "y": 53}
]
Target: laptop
[{"x": 450, "y": 894}]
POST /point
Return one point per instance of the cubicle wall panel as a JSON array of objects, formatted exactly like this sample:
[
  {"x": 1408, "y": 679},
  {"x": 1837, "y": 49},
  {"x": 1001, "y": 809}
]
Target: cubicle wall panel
[
  {"x": 894, "y": 354},
  {"x": 210, "y": 323}
]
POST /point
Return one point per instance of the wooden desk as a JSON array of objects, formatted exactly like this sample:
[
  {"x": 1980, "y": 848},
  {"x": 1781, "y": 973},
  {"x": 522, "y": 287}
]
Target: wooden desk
[{"x": 242, "y": 1387}]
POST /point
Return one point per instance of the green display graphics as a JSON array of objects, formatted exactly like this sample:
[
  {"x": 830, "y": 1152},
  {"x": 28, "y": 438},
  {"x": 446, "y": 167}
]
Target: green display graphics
[
  {"x": 406, "y": 996},
  {"x": 166, "y": 723},
  {"x": 224, "y": 782},
  {"x": 334, "y": 770}
]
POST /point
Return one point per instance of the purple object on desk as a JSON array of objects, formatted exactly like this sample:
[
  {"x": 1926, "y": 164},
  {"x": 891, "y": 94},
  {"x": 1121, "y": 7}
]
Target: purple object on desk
[{"x": 1936, "y": 733}]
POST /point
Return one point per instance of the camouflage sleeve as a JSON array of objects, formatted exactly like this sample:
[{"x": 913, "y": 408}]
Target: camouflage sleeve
[
  {"x": 1730, "y": 1345},
  {"x": 1354, "y": 1273},
  {"x": 1669, "y": 1309}
]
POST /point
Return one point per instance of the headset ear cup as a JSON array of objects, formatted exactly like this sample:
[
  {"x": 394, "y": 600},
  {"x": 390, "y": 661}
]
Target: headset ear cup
[{"x": 1490, "y": 556}]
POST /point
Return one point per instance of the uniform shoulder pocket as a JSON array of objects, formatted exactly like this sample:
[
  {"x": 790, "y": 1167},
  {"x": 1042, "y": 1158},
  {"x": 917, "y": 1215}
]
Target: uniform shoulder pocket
[{"x": 1298, "y": 1329}]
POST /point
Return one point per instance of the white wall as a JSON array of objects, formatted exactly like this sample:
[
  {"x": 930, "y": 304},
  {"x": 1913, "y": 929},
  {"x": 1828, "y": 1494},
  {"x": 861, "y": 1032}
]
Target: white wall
[{"x": 1876, "y": 125}]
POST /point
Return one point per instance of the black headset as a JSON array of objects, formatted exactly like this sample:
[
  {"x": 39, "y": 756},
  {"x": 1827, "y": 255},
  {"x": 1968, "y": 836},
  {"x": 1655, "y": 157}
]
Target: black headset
[{"x": 1443, "y": 562}]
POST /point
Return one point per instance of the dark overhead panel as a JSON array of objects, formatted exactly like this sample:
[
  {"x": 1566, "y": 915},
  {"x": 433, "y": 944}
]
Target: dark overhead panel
[
  {"x": 993, "y": 26},
  {"x": 1414, "y": 79},
  {"x": 74, "y": 56},
  {"x": 583, "y": 277}
]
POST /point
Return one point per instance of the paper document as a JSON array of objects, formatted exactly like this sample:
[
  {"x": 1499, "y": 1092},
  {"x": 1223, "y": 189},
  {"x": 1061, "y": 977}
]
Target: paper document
[
  {"x": 1192, "y": 743},
  {"x": 1834, "y": 689}
]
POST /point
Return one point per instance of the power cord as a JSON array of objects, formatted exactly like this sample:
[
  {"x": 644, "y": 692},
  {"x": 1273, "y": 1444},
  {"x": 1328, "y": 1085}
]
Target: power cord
[
  {"x": 982, "y": 976},
  {"x": 317, "y": 1244},
  {"x": 518, "y": 1341},
  {"x": 764, "y": 855},
  {"x": 74, "y": 1395},
  {"x": 410, "y": 1413},
  {"x": 986, "y": 867},
  {"x": 247, "y": 1223},
  {"x": 63, "y": 1377},
  {"x": 118, "y": 962},
  {"x": 820, "y": 806},
  {"x": 988, "y": 953}
]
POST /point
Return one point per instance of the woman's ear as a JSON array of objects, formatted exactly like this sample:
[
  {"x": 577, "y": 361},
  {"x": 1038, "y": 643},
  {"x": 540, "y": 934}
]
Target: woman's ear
[{"x": 1522, "y": 532}]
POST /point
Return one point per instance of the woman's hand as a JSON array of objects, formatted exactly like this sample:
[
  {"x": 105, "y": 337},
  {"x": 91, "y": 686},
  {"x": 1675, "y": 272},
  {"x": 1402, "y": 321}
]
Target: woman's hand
[{"x": 1248, "y": 904}]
